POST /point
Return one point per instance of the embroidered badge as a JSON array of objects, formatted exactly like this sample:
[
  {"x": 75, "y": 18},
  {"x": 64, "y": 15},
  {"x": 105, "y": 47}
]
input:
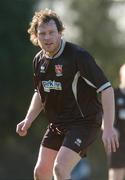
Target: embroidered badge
[
  {"x": 42, "y": 69},
  {"x": 58, "y": 70},
  {"x": 78, "y": 142}
]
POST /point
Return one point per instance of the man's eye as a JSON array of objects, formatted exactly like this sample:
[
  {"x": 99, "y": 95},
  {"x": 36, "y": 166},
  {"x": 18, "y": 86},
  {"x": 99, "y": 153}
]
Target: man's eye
[
  {"x": 42, "y": 34},
  {"x": 52, "y": 32}
]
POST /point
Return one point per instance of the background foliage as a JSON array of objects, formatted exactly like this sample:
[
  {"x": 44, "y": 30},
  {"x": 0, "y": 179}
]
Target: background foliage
[{"x": 97, "y": 33}]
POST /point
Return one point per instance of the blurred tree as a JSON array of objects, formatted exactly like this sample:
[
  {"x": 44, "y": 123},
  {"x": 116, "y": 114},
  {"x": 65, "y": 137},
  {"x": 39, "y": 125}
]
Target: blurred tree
[
  {"x": 99, "y": 33},
  {"x": 16, "y": 55},
  {"x": 16, "y": 88}
]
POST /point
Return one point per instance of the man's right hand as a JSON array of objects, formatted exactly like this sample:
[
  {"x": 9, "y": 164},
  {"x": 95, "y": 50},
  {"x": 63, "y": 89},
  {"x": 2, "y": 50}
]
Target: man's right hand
[{"x": 23, "y": 127}]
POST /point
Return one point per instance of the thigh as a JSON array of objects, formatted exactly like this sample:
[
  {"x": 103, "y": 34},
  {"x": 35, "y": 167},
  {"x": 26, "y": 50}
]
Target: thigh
[
  {"x": 46, "y": 159},
  {"x": 49, "y": 148},
  {"x": 67, "y": 159},
  {"x": 117, "y": 174}
]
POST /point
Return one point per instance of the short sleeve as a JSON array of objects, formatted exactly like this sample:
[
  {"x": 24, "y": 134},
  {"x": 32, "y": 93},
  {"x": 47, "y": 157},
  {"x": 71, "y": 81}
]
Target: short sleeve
[{"x": 91, "y": 72}]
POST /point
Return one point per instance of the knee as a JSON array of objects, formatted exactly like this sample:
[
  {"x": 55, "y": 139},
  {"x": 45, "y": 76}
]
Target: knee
[
  {"x": 39, "y": 172},
  {"x": 58, "y": 170},
  {"x": 42, "y": 171}
]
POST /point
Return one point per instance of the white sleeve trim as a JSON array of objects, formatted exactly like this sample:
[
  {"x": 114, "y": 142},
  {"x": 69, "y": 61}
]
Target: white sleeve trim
[{"x": 108, "y": 84}]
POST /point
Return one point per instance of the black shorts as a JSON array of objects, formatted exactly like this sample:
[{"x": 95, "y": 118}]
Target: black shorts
[
  {"x": 76, "y": 138},
  {"x": 117, "y": 159}
]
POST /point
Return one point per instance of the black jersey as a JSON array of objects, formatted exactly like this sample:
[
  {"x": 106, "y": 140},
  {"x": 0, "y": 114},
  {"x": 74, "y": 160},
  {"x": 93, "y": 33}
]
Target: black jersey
[
  {"x": 68, "y": 84},
  {"x": 120, "y": 113}
]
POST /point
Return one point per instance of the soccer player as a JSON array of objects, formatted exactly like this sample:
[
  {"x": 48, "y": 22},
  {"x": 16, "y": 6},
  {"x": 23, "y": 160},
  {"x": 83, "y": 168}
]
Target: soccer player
[
  {"x": 67, "y": 81},
  {"x": 117, "y": 159}
]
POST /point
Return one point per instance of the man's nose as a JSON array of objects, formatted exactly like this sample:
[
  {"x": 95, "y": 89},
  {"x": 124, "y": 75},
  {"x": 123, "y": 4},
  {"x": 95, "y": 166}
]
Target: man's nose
[{"x": 47, "y": 36}]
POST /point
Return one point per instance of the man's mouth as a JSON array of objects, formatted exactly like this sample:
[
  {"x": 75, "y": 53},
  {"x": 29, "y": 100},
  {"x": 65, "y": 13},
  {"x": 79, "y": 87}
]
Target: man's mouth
[{"x": 48, "y": 44}]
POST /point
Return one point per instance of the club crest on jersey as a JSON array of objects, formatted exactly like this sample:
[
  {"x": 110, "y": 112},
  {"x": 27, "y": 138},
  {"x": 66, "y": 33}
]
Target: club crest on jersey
[{"x": 58, "y": 70}]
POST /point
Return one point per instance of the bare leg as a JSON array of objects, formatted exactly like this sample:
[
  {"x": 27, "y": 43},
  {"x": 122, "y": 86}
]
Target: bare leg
[
  {"x": 44, "y": 166},
  {"x": 117, "y": 174},
  {"x": 64, "y": 163}
]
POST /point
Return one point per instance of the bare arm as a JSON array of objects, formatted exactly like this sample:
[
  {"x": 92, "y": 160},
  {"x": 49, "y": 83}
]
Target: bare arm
[
  {"x": 34, "y": 109},
  {"x": 110, "y": 135}
]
